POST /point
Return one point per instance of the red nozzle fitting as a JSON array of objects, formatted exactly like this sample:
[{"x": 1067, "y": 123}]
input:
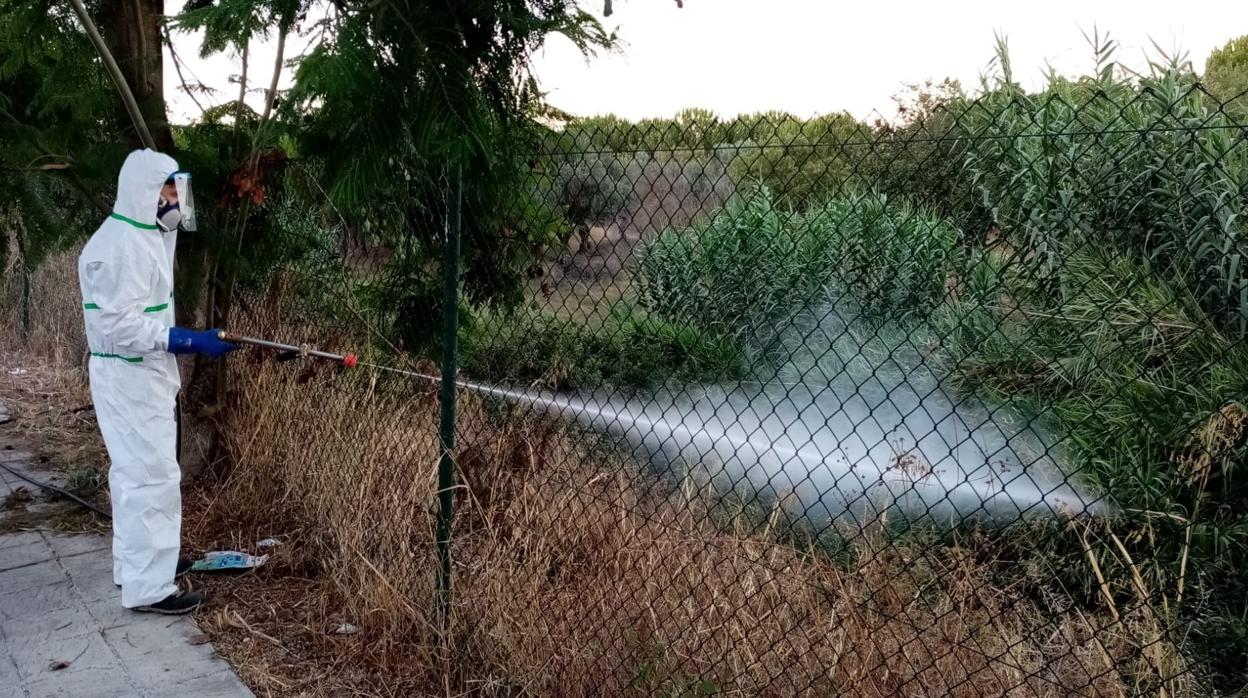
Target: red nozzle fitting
[{"x": 349, "y": 361}]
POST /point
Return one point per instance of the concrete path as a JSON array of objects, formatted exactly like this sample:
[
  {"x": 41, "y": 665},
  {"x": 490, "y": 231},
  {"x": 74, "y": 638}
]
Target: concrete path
[{"x": 63, "y": 631}]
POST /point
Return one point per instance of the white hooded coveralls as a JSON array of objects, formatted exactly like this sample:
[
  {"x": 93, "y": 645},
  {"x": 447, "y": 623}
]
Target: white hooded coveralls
[{"x": 126, "y": 276}]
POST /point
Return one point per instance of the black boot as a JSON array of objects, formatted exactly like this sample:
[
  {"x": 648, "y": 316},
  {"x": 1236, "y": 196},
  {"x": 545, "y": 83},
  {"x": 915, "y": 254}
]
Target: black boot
[{"x": 176, "y": 604}]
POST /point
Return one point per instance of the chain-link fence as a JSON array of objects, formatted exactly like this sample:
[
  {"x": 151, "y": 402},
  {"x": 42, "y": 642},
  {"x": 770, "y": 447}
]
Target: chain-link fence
[{"x": 949, "y": 405}]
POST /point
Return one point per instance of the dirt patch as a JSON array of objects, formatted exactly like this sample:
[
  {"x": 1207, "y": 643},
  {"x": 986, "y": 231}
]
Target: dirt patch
[
  {"x": 17, "y": 499},
  {"x": 283, "y": 626},
  {"x": 51, "y": 408},
  {"x": 277, "y": 630},
  {"x": 29, "y": 509}
]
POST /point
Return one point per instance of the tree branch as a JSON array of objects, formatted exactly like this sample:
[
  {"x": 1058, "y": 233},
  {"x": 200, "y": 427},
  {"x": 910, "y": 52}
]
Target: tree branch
[
  {"x": 271, "y": 95},
  {"x": 74, "y": 178},
  {"x": 127, "y": 97},
  {"x": 177, "y": 66},
  {"x": 277, "y": 73},
  {"x": 242, "y": 94}
]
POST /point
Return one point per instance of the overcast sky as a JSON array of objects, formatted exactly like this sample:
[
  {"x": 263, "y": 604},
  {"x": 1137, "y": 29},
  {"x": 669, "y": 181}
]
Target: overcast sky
[{"x": 813, "y": 56}]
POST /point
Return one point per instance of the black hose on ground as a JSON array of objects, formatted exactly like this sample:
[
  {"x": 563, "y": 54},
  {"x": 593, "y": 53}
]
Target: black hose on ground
[{"x": 64, "y": 493}]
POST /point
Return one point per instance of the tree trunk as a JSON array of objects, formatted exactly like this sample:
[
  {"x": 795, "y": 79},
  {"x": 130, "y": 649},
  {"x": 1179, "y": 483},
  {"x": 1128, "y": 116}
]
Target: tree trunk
[{"x": 132, "y": 30}]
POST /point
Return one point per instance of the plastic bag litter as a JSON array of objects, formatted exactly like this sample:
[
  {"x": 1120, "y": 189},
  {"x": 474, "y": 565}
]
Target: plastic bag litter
[
  {"x": 347, "y": 629},
  {"x": 228, "y": 560},
  {"x": 268, "y": 543}
]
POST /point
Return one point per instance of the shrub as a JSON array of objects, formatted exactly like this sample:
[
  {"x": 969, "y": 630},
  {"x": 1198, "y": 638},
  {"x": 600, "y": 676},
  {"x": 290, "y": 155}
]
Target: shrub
[
  {"x": 1146, "y": 165},
  {"x": 802, "y": 162},
  {"x": 733, "y": 272},
  {"x": 893, "y": 257},
  {"x": 626, "y": 351},
  {"x": 592, "y": 186},
  {"x": 639, "y": 188},
  {"x": 756, "y": 264},
  {"x": 1149, "y": 392}
]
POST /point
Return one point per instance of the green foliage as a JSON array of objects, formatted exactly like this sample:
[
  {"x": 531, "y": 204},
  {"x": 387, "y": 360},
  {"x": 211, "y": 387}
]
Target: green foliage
[
  {"x": 893, "y": 257},
  {"x": 396, "y": 107},
  {"x": 230, "y": 24},
  {"x": 1069, "y": 165},
  {"x": 298, "y": 254},
  {"x": 802, "y": 162},
  {"x": 87, "y": 481},
  {"x": 604, "y": 132},
  {"x": 1113, "y": 303},
  {"x": 691, "y": 129},
  {"x": 44, "y": 114},
  {"x": 702, "y": 129},
  {"x": 54, "y": 95},
  {"x": 1226, "y": 77},
  {"x": 757, "y": 263},
  {"x": 921, "y": 157},
  {"x": 599, "y": 187},
  {"x": 731, "y": 274},
  {"x": 1149, "y": 393},
  {"x": 629, "y": 350},
  {"x": 57, "y": 132},
  {"x": 656, "y": 678},
  {"x": 593, "y": 185}
]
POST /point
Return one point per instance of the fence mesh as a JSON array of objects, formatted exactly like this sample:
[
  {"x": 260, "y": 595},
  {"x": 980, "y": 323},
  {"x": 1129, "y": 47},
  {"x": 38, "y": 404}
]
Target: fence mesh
[{"x": 950, "y": 405}]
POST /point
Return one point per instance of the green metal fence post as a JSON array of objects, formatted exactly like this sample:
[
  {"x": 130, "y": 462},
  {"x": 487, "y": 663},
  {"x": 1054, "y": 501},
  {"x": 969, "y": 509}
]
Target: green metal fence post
[{"x": 446, "y": 465}]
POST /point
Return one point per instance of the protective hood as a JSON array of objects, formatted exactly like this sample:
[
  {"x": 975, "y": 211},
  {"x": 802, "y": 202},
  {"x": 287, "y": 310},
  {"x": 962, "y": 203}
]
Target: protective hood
[{"x": 138, "y": 185}]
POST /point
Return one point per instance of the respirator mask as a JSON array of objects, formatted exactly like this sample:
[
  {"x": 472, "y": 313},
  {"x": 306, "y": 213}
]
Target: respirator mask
[{"x": 172, "y": 216}]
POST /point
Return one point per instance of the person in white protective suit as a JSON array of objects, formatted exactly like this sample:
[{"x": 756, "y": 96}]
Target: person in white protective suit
[{"x": 126, "y": 276}]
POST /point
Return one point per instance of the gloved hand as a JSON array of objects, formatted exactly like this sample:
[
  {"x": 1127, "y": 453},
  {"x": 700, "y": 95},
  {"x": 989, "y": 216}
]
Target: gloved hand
[{"x": 207, "y": 342}]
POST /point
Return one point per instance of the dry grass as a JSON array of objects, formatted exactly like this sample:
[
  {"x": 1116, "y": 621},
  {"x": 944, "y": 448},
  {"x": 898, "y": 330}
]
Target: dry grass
[
  {"x": 41, "y": 312},
  {"x": 51, "y": 405},
  {"x": 1213, "y": 442},
  {"x": 42, "y": 361},
  {"x": 28, "y": 509},
  {"x": 574, "y": 575}
]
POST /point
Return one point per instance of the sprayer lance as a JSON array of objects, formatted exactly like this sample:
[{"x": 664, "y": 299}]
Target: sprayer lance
[{"x": 292, "y": 350}]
